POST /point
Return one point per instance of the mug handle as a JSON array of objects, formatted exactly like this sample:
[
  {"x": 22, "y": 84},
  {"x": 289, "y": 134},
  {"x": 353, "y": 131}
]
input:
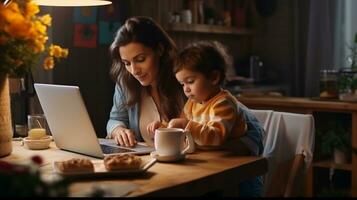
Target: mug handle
[{"x": 191, "y": 145}]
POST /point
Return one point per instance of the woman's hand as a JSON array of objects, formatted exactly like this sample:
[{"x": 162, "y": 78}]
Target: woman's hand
[
  {"x": 124, "y": 137},
  {"x": 152, "y": 127},
  {"x": 178, "y": 123}
]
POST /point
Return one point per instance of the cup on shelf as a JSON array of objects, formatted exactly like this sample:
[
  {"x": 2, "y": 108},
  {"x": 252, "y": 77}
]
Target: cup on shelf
[{"x": 186, "y": 16}]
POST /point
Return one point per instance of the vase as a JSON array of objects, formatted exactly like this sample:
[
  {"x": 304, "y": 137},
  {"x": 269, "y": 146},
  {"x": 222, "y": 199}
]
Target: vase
[
  {"x": 5, "y": 117},
  {"x": 339, "y": 156}
]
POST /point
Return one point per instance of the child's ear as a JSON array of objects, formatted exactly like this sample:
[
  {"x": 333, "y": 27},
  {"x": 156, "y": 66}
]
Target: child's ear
[{"x": 215, "y": 77}]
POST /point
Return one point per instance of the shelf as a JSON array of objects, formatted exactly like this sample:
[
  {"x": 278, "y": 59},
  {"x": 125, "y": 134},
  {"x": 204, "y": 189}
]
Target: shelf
[
  {"x": 330, "y": 164},
  {"x": 204, "y": 28}
]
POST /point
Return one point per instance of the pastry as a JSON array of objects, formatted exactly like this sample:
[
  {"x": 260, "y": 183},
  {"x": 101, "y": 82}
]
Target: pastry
[
  {"x": 124, "y": 161},
  {"x": 76, "y": 165}
]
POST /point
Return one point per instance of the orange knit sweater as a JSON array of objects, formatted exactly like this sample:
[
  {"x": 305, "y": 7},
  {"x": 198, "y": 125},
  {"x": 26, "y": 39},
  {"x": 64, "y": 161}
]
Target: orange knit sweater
[{"x": 216, "y": 121}]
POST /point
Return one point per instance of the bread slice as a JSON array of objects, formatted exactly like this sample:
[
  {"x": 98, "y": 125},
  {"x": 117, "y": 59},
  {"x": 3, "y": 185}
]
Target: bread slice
[
  {"x": 76, "y": 165},
  {"x": 121, "y": 162}
]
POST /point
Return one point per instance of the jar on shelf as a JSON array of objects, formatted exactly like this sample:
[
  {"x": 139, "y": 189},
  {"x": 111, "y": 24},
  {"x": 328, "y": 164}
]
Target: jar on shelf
[{"x": 329, "y": 84}]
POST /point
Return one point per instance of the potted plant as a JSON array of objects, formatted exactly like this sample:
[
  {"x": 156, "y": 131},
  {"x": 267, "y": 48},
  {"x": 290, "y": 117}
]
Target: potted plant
[
  {"x": 348, "y": 84},
  {"x": 352, "y": 59},
  {"x": 348, "y": 76},
  {"x": 336, "y": 142}
]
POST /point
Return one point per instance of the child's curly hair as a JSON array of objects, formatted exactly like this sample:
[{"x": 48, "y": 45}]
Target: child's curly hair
[{"x": 204, "y": 57}]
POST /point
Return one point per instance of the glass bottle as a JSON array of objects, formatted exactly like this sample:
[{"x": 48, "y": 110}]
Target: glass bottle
[{"x": 328, "y": 84}]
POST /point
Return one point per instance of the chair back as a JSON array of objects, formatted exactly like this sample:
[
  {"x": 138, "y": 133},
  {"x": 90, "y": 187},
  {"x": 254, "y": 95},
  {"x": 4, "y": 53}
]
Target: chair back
[
  {"x": 263, "y": 117},
  {"x": 289, "y": 148}
]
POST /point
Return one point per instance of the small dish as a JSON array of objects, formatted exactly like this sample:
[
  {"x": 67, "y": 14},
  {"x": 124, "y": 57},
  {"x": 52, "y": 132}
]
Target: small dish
[
  {"x": 167, "y": 158},
  {"x": 43, "y": 143}
]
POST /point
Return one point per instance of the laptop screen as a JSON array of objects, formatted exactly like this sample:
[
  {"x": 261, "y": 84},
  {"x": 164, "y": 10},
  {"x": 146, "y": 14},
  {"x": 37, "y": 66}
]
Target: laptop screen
[{"x": 69, "y": 120}]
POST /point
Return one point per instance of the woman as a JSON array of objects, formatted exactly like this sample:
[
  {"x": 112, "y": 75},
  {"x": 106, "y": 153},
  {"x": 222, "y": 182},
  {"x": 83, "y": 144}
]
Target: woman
[{"x": 146, "y": 88}]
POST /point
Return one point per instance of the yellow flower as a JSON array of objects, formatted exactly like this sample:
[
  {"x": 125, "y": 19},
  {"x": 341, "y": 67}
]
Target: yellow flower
[
  {"x": 23, "y": 38},
  {"x": 39, "y": 27},
  {"x": 31, "y": 9},
  {"x": 64, "y": 53},
  {"x": 19, "y": 29},
  {"x": 48, "y": 63},
  {"x": 55, "y": 51},
  {"x": 46, "y": 20},
  {"x": 11, "y": 13},
  {"x": 37, "y": 46}
]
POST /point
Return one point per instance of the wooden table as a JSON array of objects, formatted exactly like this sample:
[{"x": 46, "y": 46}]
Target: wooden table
[
  {"x": 309, "y": 106},
  {"x": 199, "y": 173}
]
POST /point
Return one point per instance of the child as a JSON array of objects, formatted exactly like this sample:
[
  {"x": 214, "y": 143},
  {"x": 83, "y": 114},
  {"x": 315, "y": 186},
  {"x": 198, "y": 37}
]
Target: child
[{"x": 213, "y": 115}]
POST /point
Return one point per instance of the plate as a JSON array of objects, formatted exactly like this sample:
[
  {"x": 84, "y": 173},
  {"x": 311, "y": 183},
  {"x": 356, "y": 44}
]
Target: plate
[
  {"x": 101, "y": 171},
  {"x": 167, "y": 158}
]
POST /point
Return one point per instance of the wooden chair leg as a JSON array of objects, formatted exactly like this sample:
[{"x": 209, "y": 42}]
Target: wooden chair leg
[
  {"x": 297, "y": 166},
  {"x": 309, "y": 190}
]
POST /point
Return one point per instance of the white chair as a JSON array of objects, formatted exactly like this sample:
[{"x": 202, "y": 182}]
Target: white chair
[
  {"x": 289, "y": 148},
  {"x": 263, "y": 117}
]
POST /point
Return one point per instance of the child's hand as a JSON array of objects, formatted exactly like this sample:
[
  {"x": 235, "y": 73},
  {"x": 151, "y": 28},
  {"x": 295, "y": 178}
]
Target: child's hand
[
  {"x": 178, "y": 123},
  {"x": 152, "y": 127}
]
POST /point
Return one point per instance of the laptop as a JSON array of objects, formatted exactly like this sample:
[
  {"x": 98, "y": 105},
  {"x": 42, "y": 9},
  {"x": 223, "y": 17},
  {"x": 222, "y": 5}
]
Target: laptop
[{"x": 70, "y": 124}]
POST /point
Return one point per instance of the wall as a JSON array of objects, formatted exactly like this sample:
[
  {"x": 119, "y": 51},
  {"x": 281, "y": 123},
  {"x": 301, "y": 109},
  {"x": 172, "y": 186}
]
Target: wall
[
  {"x": 274, "y": 41},
  {"x": 87, "y": 68}
]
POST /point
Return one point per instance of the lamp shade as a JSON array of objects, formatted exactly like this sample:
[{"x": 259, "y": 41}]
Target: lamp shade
[{"x": 72, "y": 3}]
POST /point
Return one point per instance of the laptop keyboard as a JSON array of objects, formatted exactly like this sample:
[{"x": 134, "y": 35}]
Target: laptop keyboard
[{"x": 109, "y": 149}]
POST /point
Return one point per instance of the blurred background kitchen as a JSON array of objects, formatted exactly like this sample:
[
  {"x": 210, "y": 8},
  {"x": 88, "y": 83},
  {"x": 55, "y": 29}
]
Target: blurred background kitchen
[{"x": 299, "y": 48}]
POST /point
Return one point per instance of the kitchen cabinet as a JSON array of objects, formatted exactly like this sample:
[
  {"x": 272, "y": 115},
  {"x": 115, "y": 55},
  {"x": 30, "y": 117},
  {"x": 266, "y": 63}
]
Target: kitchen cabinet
[{"x": 310, "y": 106}]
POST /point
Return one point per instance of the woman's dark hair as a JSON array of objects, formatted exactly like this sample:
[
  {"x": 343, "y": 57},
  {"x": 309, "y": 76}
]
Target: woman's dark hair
[
  {"x": 146, "y": 31},
  {"x": 204, "y": 57}
]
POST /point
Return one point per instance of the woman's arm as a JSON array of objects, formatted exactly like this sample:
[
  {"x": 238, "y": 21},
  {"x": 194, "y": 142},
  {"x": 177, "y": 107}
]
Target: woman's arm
[
  {"x": 118, "y": 123},
  {"x": 119, "y": 113}
]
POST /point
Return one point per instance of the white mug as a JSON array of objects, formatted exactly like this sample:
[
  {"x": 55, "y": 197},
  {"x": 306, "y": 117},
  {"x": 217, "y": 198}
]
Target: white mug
[{"x": 169, "y": 142}]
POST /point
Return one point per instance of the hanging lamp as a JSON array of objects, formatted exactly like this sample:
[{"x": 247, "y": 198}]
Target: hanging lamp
[{"x": 72, "y": 3}]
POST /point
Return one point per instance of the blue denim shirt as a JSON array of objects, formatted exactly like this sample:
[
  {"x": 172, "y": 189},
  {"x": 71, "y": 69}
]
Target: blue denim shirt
[{"x": 123, "y": 115}]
